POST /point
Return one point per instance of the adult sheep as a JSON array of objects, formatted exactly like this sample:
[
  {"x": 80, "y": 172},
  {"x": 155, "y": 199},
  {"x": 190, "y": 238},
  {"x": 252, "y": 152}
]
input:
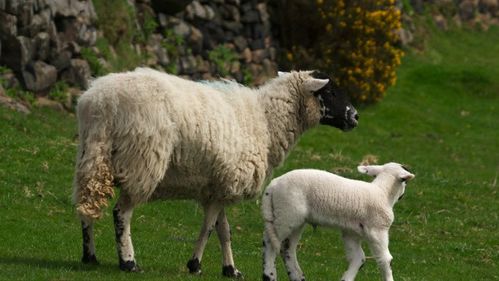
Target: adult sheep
[{"x": 158, "y": 136}]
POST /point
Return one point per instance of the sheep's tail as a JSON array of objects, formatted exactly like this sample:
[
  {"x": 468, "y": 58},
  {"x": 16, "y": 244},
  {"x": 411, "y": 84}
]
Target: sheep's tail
[
  {"x": 93, "y": 182},
  {"x": 268, "y": 216}
]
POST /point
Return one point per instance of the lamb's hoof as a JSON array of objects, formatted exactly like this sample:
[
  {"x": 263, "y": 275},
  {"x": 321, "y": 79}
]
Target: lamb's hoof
[
  {"x": 194, "y": 266},
  {"x": 129, "y": 266},
  {"x": 91, "y": 260},
  {"x": 231, "y": 272}
]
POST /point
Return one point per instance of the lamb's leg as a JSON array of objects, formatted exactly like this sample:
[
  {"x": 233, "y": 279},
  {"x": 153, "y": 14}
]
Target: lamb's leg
[
  {"x": 224, "y": 235},
  {"x": 122, "y": 214},
  {"x": 355, "y": 255},
  {"x": 87, "y": 230},
  {"x": 288, "y": 253},
  {"x": 211, "y": 212},
  {"x": 378, "y": 242},
  {"x": 269, "y": 255}
]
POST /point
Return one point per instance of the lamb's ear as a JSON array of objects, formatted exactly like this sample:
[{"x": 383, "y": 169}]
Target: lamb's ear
[
  {"x": 281, "y": 73},
  {"x": 313, "y": 84},
  {"x": 372, "y": 170},
  {"x": 406, "y": 176}
]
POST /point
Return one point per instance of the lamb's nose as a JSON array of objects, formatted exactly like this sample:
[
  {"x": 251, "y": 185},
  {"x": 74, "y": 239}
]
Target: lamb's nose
[{"x": 356, "y": 116}]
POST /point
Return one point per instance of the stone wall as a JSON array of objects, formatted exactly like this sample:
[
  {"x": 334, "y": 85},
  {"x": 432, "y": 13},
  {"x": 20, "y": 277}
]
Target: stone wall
[
  {"x": 445, "y": 13},
  {"x": 40, "y": 40},
  {"x": 229, "y": 38}
]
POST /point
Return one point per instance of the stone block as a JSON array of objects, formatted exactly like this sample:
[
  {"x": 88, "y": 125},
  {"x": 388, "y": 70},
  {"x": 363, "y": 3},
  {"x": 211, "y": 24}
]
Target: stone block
[
  {"x": 8, "y": 25},
  {"x": 17, "y": 52},
  {"x": 39, "y": 76}
]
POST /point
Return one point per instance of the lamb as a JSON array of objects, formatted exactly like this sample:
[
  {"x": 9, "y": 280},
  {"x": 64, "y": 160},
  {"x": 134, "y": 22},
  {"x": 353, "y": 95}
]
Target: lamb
[
  {"x": 359, "y": 209},
  {"x": 158, "y": 136}
]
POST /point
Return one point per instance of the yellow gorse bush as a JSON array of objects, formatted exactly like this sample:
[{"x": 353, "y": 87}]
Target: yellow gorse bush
[{"x": 358, "y": 45}]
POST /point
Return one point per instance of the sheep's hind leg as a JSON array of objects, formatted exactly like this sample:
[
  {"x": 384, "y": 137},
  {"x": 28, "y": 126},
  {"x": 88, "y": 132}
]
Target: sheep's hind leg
[
  {"x": 355, "y": 255},
  {"x": 87, "y": 230},
  {"x": 122, "y": 214},
  {"x": 269, "y": 255},
  {"x": 224, "y": 235},
  {"x": 288, "y": 253},
  {"x": 211, "y": 212}
]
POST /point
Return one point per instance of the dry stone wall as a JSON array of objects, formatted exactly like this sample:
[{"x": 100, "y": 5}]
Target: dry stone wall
[
  {"x": 220, "y": 38},
  {"x": 40, "y": 40}
]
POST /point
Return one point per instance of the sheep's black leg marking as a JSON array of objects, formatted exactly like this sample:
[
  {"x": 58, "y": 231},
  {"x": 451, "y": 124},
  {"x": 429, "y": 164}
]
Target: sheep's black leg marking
[
  {"x": 224, "y": 236},
  {"x": 88, "y": 244},
  {"x": 123, "y": 238},
  {"x": 266, "y": 278},
  {"x": 230, "y": 271},
  {"x": 194, "y": 266}
]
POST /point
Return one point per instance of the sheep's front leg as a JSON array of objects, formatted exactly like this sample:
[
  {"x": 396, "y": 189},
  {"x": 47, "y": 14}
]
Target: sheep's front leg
[
  {"x": 122, "y": 214},
  {"x": 378, "y": 242},
  {"x": 224, "y": 235},
  {"x": 269, "y": 256},
  {"x": 288, "y": 253},
  {"x": 355, "y": 255},
  {"x": 87, "y": 230},
  {"x": 211, "y": 212}
]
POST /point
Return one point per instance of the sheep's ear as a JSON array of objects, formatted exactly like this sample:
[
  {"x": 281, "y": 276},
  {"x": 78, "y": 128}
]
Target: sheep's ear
[
  {"x": 372, "y": 170},
  {"x": 282, "y": 73},
  {"x": 313, "y": 84}
]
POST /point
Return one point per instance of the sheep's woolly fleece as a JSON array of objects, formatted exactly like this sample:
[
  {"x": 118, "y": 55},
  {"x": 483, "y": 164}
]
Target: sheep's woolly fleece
[{"x": 156, "y": 135}]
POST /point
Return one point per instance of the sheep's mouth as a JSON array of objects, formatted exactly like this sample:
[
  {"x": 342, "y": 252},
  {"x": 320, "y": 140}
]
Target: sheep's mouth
[
  {"x": 340, "y": 123},
  {"x": 345, "y": 122}
]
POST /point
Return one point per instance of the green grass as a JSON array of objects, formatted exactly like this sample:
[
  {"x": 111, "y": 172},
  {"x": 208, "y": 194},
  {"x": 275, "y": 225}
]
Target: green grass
[{"x": 442, "y": 118}]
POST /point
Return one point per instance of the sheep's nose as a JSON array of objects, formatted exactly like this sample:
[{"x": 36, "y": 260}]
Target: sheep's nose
[{"x": 356, "y": 116}]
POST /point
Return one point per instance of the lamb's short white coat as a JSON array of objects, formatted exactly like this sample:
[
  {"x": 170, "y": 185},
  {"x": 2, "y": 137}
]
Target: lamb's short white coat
[{"x": 360, "y": 209}]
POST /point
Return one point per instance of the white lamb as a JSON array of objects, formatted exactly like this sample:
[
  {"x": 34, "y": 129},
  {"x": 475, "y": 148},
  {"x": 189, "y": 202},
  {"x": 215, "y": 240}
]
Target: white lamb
[
  {"x": 158, "y": 136},
  {"x": 361, "y": 210}
]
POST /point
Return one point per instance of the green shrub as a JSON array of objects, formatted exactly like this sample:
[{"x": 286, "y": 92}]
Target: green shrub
[
  {"x": 19, "y": 94},
  {"x": 93, "y": 61},
  {"x": 172, "y": 43},
  {"x": 59, "y": 92},
  {"x": 222, "y": 57}
]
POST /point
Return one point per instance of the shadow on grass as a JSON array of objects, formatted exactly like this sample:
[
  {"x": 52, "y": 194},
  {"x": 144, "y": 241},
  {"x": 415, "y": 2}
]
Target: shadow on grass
[{"x": 55, "y": 264}]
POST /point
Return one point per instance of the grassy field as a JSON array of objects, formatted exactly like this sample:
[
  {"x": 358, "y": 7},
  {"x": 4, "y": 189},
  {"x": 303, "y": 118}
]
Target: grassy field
[{"x": 442, "y": 119}]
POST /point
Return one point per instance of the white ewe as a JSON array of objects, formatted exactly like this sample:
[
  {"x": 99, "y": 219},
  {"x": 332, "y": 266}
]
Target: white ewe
[
  {"x": 158, "y": 136},
  {"x": 361, "y": 210}
]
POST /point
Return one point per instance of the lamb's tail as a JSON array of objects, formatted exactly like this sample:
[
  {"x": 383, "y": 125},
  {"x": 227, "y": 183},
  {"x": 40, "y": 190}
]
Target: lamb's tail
[
  {"x": 268, "y": 216},
  {"x": 93, "y": 182}
]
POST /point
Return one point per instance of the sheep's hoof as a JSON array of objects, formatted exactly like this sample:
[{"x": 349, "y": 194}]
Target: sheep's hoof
[
  {"x": 129, "y": 266},
  {"x": 231, "y": 272},
  {"x": 194, "y": 266},
  {"x": 92, "y": 260},
  {"x": 265, "y": 277}
]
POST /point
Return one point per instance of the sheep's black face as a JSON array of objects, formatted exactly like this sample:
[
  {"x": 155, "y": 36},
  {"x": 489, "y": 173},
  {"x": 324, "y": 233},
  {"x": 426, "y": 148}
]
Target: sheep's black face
[{"x": 336, "y": 109}]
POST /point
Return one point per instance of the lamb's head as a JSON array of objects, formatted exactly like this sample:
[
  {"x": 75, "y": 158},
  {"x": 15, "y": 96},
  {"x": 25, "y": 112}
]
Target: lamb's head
[
  {"x": 333, "y": 104},
  {"x": 398, "y": 171}
]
